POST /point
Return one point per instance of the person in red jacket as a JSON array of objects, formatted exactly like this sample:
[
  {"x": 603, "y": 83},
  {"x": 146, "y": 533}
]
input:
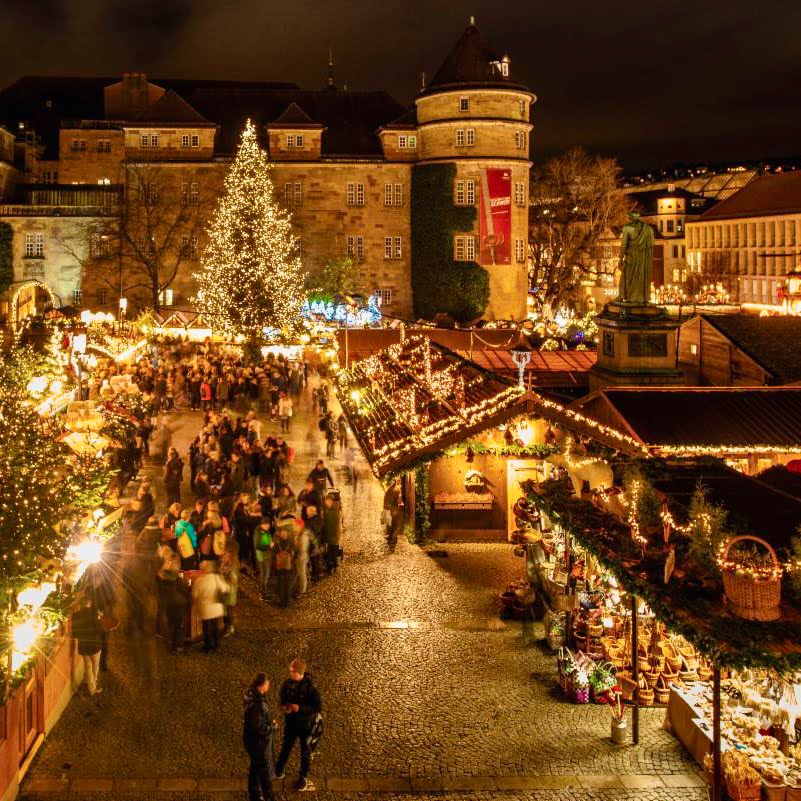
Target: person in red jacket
[{"x": 205, "y": 395}]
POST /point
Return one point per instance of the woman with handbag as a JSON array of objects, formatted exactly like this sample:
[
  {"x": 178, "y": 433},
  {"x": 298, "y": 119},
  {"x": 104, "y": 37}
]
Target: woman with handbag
[{"x": 209, "y": 593}]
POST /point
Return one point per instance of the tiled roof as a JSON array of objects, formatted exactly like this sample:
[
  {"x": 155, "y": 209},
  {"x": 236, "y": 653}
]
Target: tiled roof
[
  {"x": 766, "y": 195},
  {"x": 170, "y": 109},
  {"x": 471, "y": 64},
  {"x": 417, "y": 397},
  {"x": 772, "y": 342},
  {"x": 351, "y": 119},
  {"x": 735, "y": 416},
  {"x": 546, "y": 368}
]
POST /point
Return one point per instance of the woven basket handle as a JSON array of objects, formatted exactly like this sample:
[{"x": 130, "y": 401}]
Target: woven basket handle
[{"x": 767, "y": 545}]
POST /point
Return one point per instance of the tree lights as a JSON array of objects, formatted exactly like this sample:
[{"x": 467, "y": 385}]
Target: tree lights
[{"x": 250, "y": 277}]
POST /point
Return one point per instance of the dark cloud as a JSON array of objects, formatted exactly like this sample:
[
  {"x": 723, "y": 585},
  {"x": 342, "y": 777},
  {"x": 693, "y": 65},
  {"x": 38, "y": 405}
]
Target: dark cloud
[{"x": 651, "y": 82}]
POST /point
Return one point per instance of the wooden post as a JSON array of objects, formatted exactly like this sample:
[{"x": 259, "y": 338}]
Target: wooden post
[
  {"x": 717, "y": 772},
  {"x": 635, "y": 674}
]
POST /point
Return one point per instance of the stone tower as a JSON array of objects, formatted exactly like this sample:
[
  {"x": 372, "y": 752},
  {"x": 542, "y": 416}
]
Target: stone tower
[{"x": 474, "y": 115}]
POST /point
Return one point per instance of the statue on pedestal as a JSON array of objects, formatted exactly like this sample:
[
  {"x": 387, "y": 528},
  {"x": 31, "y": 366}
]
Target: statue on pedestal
[{"x": 636, "y": 259}]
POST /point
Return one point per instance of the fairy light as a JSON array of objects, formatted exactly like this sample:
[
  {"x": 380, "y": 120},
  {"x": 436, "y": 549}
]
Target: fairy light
[{"x": 250, "y": 276}]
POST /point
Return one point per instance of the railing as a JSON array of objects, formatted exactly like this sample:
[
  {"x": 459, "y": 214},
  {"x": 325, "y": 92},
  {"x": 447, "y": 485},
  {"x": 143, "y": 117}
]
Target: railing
[
  {"x": 68, "y": 194},
  {"x": 57, "y": 211}
]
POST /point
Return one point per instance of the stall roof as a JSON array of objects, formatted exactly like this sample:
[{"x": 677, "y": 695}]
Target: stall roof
[
  {"x": 677, "y": 417},
  {"x": 687, "y": 603},
  {"x": 414, "y": 399},
  {"x": 417, "y": 397}
]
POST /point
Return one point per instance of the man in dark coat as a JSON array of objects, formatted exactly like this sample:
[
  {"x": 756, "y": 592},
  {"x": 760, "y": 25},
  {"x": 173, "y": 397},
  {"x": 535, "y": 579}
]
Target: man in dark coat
[
  {"x": 257, "y": 737},
  {"x": 301, "y": 702}
]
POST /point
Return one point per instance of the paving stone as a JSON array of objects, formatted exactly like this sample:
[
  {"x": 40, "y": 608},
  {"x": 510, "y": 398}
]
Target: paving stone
[
  {"x": 426, "y": 783},
  {"x": 468, "y": 783},
  {"x": 556, "y": 782},
  {"x": 134, "y": 785},
  {"x": 688, "y": 780},
  {"x": 346, "y": 785},
  {"x": 641, "y": 782},
  {"x": 388, "y": 784},
  {"x": 519, "y": 782},
  {"x": 91, "y": 785},
  {"x": 599, "y": 782},
  {"x": 177, "y": 785}
]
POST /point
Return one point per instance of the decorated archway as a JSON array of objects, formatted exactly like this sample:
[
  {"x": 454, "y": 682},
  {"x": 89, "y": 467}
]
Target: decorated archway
[{"x": 30, "y": 298}]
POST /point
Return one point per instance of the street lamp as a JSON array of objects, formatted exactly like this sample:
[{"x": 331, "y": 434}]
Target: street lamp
[{"x": 521, "y": 356}]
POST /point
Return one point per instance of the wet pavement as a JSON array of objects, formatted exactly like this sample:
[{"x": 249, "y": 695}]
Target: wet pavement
[{"x": 426, "y": 692}]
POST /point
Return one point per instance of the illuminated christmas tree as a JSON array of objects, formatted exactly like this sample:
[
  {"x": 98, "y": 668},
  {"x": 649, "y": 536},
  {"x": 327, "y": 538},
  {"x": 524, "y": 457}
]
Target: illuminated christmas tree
[{"x": 250, "y": 277}]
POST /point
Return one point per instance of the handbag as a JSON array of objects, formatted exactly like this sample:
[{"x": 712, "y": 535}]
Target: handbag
[
  {"x": 283, "y": 560},
  {"x": 315, "y": 732},
  {"x": 185, "y": 547}
]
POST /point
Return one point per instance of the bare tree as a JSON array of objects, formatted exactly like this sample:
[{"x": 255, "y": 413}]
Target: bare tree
[
  {"x": 575, "y": 204},
  {"x": 155, "y": 230},
  {"x": 716, "y": 268}
]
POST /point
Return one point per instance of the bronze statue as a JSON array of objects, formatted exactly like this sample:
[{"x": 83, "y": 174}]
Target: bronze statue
[{"x": 636, "y": 258}]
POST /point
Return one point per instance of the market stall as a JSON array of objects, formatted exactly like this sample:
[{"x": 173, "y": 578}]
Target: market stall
[{"x": 678, "y": 538}]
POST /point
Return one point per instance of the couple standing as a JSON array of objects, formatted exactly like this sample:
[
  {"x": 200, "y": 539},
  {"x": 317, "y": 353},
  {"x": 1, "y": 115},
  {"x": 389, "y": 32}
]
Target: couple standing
[{"x": 302, "y": 706}]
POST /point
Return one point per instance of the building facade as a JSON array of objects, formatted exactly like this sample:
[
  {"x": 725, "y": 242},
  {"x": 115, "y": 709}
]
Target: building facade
[
  {"x": 136, "y": 167},
  {"x": 751, "y": 240}
]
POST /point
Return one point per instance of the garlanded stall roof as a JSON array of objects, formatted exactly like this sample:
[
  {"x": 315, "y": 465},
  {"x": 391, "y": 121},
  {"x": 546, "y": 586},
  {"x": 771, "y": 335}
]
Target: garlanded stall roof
[
  {"x": 417, "y": 397},
  {"x": 689, "y": 602},
  {"x": 720, "y": 420}
]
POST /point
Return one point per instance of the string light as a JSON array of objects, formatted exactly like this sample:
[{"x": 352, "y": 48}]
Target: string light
[{"x": 251, "y": 276}]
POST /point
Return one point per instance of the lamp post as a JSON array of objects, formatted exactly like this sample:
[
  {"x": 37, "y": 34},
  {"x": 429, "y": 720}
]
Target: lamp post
[{"x": 521, "y": 356}]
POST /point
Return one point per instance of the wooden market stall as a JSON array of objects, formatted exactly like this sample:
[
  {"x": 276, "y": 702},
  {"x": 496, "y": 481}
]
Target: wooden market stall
[{"x": 679, "y": 550}]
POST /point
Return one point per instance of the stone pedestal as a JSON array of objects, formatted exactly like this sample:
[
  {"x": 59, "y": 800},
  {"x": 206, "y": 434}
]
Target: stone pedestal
[{"x": 636, "y": 347}]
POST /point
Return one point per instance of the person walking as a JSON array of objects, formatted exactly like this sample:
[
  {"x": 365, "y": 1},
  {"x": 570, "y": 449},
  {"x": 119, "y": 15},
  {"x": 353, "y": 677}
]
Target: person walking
[
  {"x": 173, "y": 476},
  {"x": 303, "y": 542},
  {"x": 393, "y": 503},
  {"x": 319, "y": 475},
  {"x": 300, "y": 702},
  {"x": 342, "y": 433},
  {"x": 257, "y": 737},
  {"x": 86, "y": 629},
  {"x": 285, "y": 411},
  {"x": 285, "y": 552},
  {"x": 207, "y": 594},
  {"x": 263, "y": 546},
  {"x": 332, "y": 526}
]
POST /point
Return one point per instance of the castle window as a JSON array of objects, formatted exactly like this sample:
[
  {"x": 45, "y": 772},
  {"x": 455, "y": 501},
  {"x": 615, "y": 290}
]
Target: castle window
[
  {"x": 520, "y": 140},
  {"x": 465, "y": 193},
  {"x": 460, "y": 137},
  {"x": 34, "y": 246},
  {"x": 103, "y": 146},
  {"x": 393, "y": 194},
  {"x": 294, "y": 140},
  {"x": 384, "y": 295},
  {"x": 355, "y": 194},
  {"x": 154, "y": 140},
  {"x": 464, "y": 248},
  {"x": 79, "y": 144},
  {"x": 393, "y": 247},
  {"x": 188, "y": 247},
  {"x": 387, "y": 194},
  {"x": 293, "y": 193},
  {"x": 195, "y": 140},
  {"x": 522, "y": 107},
  {"x": 406, "y": 142},
  {"x": 185, "y": 140},
  {"x": 464, "y": 104},
  {"x": 102, "y": 297},
  {"x": 166, "y": 297},
  {"x": 398, "y": 194},
  {"x": 520, "y": 251},
  {"x": 77, "y": 297},
  {"x": 355, "y": 247},
  {"x": 520, "y": 193},
  {"x": 144, "y": 140}
]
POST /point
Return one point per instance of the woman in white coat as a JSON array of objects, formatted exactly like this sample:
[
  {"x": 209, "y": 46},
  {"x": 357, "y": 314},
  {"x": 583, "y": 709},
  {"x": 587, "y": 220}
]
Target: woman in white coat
[{"x": 208, "y": 595}]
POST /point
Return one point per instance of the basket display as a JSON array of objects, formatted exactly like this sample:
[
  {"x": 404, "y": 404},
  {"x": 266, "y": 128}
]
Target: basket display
[
  {"x": 752, "y": 593},
  {"x": 744, "y": 792}
]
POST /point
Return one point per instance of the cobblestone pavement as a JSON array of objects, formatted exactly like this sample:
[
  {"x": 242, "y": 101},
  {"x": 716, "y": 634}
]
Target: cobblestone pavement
[{"x": 425, "y": 690}]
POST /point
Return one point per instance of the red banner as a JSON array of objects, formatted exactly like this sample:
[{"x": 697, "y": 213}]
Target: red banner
[{"x": 496, "y": 217}]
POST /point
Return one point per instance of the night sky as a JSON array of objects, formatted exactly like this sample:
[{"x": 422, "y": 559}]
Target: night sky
[{"x": 651, "y": 82}]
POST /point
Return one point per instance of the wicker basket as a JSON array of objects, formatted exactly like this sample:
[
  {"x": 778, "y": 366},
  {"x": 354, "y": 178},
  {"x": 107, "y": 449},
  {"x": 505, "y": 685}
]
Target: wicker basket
[
  {"x": 652, "y": 677},
  {"x": 627, "y": 686},
  {"x": 751, "y": 598},
  {"x": 672, "y": 656},
  {"x": 662, "y": 691},
  {"x": 645, "y": 697},
  {"x": 744, "y": 792}
]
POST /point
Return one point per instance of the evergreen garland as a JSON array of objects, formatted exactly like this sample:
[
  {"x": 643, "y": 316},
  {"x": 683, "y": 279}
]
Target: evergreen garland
[
  {"x": 422, "y": 518},
  {"x": 439, "y": 284}
]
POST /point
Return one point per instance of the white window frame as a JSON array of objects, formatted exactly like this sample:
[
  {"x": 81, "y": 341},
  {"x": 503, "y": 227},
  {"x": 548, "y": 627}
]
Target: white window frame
[
  {"x": 387, "y": 247},
  {"x": 155, "y": 140},
  {"x": 413, "y": 142},
  {"x": 385, "y": 295},
  {"x": 354, "y": 195},
  {"x": 166, "y": 297},
  {"x": 354, "y": 247},
  {"x": 460, "y": 196},
  {"x": 464, "y": 104},
  {"x": 397, "y": 247},
  {"x": 104, "y": 146},
  {"x": 520, "y": 140},
  {"x": 185, "y": 140},
  {"x": 464, "y": 247},
  {"x": 77, "y": 297},
  {"x": 144, "y": 140},
  {"x": 470, "y": 247},
  {"x": 102, "y": 296},
  {"x": 195, "y": 140},
  {"x": 520, "y": 251},
  {"x": 460, "y": 138},
  {"x": 398, "y": 194},
  {"x": 388, "y": 198},
  {"x": 34, "y": 246},
  {"x": 403, "y": 142},
  {"x": 458, "y": 248},
  {"x": 290, "y": 140},
  {"x": 298, "y": 193},
  {"x": 470, "y": 192},
  {"x": 520, "y": 193},
  {"x": 470, "y": 137}
]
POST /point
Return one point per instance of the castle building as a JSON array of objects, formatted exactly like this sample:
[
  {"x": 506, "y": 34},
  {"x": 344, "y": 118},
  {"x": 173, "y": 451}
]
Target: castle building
[{"x": 146, "y": 159}]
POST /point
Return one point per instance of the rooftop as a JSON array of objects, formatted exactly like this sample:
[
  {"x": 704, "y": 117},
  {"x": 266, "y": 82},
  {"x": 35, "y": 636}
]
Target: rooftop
[
  {"x": 772, "y": 342},
  {"x": 765, "y": 196},
  {"x": 752, "y": 418},
  {"x": 170, "y": 109}
]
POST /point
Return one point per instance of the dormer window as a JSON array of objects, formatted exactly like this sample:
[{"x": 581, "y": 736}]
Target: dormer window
[
  {"x": 294, "y": 140},
  {"x": 464, "y": 104},
  {"x": 407, "y": 142},
  {"x": 505, "y": 66}
]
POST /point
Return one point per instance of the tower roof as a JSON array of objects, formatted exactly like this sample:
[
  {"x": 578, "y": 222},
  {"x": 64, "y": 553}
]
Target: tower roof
[{"x": 472, "y": 64}]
